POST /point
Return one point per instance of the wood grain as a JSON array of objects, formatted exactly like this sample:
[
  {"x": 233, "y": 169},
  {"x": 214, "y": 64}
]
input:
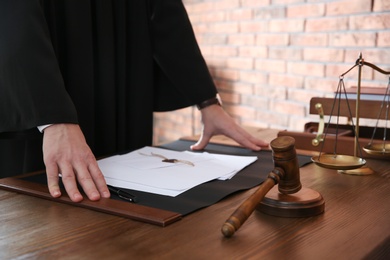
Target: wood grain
[{"x": 355, "y": 225}]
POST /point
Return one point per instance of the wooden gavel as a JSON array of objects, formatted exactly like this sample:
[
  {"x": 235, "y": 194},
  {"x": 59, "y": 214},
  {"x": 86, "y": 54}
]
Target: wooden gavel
[{"x": 285, "y": 173}]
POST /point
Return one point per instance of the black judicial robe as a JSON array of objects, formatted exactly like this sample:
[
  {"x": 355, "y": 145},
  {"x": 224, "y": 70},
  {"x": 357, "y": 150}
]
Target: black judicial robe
[{"x": 104, "y": 64}]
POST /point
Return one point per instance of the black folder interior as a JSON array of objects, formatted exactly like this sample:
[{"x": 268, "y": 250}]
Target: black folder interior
[{"x": 207, "y": 193}]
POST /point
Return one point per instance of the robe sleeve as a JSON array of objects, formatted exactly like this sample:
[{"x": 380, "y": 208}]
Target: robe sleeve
[
  {"x": 181, "y": 74},
  {"x": 32, "y": 90}
]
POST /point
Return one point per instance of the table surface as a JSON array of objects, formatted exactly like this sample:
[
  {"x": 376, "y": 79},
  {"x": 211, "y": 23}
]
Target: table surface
[{"x": 355, "y": 225}]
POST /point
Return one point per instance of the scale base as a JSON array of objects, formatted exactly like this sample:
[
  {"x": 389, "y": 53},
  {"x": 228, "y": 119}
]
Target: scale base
[
  {"x": 304, "y": 203},
  {"x": 359, "y": 171}
]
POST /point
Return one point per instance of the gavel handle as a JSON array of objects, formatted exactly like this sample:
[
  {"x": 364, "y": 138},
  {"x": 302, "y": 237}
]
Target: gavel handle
[{"x": 240, "y": 215}]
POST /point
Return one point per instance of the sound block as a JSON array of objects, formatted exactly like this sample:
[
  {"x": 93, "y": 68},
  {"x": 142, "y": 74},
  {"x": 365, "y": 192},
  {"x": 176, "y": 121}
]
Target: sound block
[{"x": 304, "y": 203}]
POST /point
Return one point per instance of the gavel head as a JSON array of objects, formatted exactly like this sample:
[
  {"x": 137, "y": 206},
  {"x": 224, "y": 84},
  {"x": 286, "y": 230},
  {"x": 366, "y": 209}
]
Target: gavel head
[{"x": 285, "y": 157}]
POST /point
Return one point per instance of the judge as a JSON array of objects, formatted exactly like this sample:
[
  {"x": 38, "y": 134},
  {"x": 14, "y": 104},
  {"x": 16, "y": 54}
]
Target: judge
[{"x": 89, "y": 74}]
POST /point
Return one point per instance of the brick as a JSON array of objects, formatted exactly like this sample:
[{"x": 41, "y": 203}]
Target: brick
[
  {"x": 304, "y": 39},
  {"x": 381, "y": 5},
  {"x": 195, "y": 19},
  {"x": 224, "y": 85},
  {"x": 214, "y": 62},
  {"x": 212, "y": 17},
  {"x": 328, "y": 33},
  {"x": 348, "y": 7},
  {"x": 380, "y": 79},
  {"x": 298, "y": 123},
  {"x": 284, "y": 25},
  {"x": 169, "y": 130},
  {"x": 224, "y": 51},
  {"x": 270, "y": 12},
  {"x": 225, "y": 28},
  {"x": 352, "y": 76},
  {"x": 379, "y": 82},
  {"x": 287, "y": 2},
  {"x": 255, "y": 3},
  {"x": 201, "y": 7},
  {"x": 254, "y": 123},
  {"x": 228, "y": 74},
  {"x": 201, "y": 28},
  {"x": 327, "y": 24},
  {"x": 274, "y": 120},
  {"x": 240, "y": 63},
  {"x": 236, "y": 87},
  {"x": 253, "y": 51},
  {"x": 272, "y": 39},
  {"x": 227, "y": 4},
  {"x": 197, "y": 122},
  {"x": 302, "y": 96},
  {"x": 352, "y": 39},
  {"x": 206, "y": 50},
  {"x": 252, "y": 76},
  {"x": 253, "y": 26},
  {"x": 240, "y": 110},
  {"x": 383, "y": 39},
  {"x": 230, "y": 98},
  {"x": 377, "y": 56},
  {"x": 334, "y": 70},
  {"x": 293, "y": 108},
  {"x": 306, "y": 10},
  {"x": 370, "y": 22},
  {"x": 326, "y": 85},
  {"x": 240, "y": 15},
  {"x": 255, "y": 102},
  {"x": 212, "y": 39},
  {"x": 323, "y": 54},
  {"x": 241, "y": 39},
  {"x": 271, "y": 92},
  {"x": 266, "y": 65},
  {"x": 285, "y": 53},
  {"x": 243, "y": 88},
  {"x": 306, "y": 68},
  {"x": 285, "y": 80}
]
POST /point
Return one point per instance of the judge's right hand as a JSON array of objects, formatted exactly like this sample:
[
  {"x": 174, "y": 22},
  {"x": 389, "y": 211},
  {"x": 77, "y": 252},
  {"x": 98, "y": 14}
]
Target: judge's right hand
[{"x": 66, "y": 152}]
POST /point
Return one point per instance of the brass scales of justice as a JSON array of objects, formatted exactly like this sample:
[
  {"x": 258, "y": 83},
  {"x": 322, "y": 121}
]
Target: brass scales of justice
[
  {"x": 346, "y": 163},
  {"x": 290, "y": 199}
]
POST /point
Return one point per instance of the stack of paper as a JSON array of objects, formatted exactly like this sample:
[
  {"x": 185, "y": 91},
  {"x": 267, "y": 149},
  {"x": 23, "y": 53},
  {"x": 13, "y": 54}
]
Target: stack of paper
[{"x": 147, "y": 170}]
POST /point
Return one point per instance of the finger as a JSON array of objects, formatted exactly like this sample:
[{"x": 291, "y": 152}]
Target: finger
[
  {"x": 99, "y": 180},
  {"x": 52, "y": 180},
  {"x": 202, "y": 142},
  {"x": 84, "y": 178},
  {"x": 246, "y": 140},
  {"x": 69, "y": 181},
  {"x": 257, "y": 141}
]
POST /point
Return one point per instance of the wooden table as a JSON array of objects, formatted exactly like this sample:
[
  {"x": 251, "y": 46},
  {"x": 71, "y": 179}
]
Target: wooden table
[{"x": 355, "y": 225}]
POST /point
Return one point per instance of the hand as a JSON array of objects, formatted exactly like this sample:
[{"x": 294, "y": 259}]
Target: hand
[
  {"x": 65, "y": 151},
  {"x": 216, "y": 121}
]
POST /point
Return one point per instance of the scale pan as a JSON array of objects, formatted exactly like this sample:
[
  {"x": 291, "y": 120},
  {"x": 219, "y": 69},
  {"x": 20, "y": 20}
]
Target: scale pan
[
  {"x": 338, "y": 162},
  {"x": 377, "y": 149}
]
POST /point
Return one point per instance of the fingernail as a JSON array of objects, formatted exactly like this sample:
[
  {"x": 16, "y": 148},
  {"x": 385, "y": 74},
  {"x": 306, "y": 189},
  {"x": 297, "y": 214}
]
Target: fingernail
[
  {"x": 77, "y": 197},
  {"x": 95, "y": 196}
]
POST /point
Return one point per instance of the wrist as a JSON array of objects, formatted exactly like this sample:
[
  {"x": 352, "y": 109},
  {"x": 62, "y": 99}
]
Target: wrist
[{"x": 209, "y": 102}]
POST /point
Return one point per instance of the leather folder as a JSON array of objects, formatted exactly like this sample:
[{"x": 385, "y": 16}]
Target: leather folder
[
  {"x": 157, "y": 209},
  {"x": 129, "y": 210}
]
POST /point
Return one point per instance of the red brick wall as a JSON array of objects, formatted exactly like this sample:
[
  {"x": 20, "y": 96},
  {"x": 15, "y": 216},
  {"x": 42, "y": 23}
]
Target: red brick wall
[{"x": 269, "y": 57}]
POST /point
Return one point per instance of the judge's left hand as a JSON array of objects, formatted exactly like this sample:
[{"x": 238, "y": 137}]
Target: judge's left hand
[{"x": 216, "y": 121}]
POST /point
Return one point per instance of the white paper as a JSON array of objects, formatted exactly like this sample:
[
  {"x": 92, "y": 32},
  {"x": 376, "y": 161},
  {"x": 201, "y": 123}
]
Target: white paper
[{"x": 140, "y": 170}]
